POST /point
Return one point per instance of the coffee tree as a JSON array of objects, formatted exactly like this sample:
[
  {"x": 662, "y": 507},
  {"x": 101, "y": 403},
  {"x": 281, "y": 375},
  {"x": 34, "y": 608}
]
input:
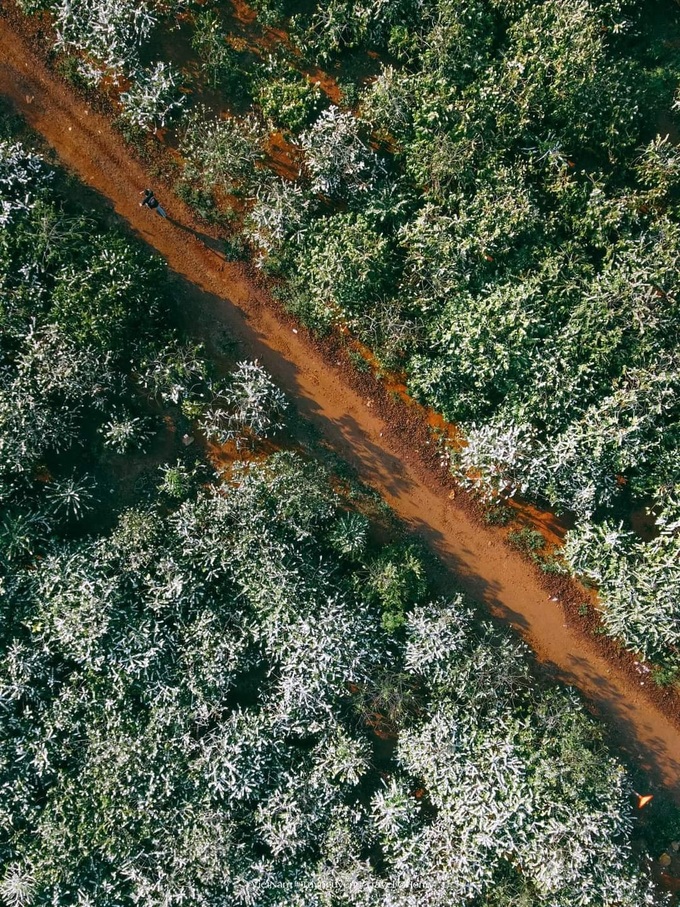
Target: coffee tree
[
  {"x": 153, "y": 98},
  {"x": 337, "y": 158},
  {"x": 222, "y": 152},
  {"x": 110, "y": 34},
  {"x": 250, "y": 405}
]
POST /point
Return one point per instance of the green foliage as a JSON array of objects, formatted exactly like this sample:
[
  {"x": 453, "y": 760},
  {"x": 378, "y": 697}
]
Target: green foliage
[
  {"x": 79, "y": 303},
  {"x": 68, "y": 67},
  {"x": 174, "y": 373},
  {"x": 658, "y": 169},
  {"x": 270, "y": 12},
  {"x": 345, "y": 266},
  {"x": 236, "y": 248},
  {"x": 222, "y": 153},
  {"x": 668, "y": 676},
  {"x": 337, "y": 157},
  {"x": 280, "y": 213},
  {"x": 349, "y": 535},
  {"x": 527, "y": 540},
  {"x": 248, "y": 407},
  {"x": 286, "y": 98},
  {"x": 71, "y": 497},
  {"x": 221, "y": 63},
  {"x": 154, "y": 97},
  {"x": 349, "y": 93},
  {"x": 46, "y": 389},
  {"x": 180, "y": 481},
  {"x": 637, "y": 580},
  {"x": 201, "y": 200},
  {"x": 396, "y": 581},
  {"x": 180, "y": 689},
  {"x": 498, "y": 515},
  {"x": 195, "y": 703},
  {"x": 115, "y": 295},
  {"x": 587, "y": 95},
  {"x": 108, "y": 34},
  {"x": 340, "y": 25},
  {"x": 124, "y": 432}
]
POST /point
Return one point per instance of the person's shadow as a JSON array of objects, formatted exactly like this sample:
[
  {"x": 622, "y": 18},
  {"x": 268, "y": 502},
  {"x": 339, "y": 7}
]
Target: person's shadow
[{"x": 210, "y": 242}]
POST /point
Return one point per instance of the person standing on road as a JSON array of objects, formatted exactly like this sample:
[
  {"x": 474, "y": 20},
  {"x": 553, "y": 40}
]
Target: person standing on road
[{"x": 150, "y": 201}]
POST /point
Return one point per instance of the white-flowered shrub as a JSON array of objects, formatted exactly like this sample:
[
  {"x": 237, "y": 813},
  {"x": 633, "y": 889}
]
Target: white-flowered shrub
[
  {"x": 223, "y": 152},
  {"x": 249, "y": 405},
  {"x": 22, "y": 176},
  {"x": 337, "y": 158},
  {"x": 154, "y": 97},
  {"x": 109, "y": 32}
]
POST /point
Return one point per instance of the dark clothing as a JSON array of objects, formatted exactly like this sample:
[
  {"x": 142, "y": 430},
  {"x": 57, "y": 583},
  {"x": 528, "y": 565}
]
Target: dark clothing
[{"x": 150, "y": 199}]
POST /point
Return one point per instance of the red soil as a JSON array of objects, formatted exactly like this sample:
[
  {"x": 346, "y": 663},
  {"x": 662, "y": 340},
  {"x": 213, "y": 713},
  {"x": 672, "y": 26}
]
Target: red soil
[{"x": 384, "y": 438}]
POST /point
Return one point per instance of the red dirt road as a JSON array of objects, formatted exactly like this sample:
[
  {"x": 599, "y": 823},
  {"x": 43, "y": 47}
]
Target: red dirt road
[{"x": 222, "y": 299}]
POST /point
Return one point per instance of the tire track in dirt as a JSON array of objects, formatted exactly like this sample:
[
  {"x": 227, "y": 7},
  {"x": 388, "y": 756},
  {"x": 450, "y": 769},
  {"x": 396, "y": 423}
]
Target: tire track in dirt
[{"x": 223, "y": 300}]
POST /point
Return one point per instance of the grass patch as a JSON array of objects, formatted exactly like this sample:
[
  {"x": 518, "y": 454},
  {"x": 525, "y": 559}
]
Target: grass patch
[{"x": 528, "y": 541}]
